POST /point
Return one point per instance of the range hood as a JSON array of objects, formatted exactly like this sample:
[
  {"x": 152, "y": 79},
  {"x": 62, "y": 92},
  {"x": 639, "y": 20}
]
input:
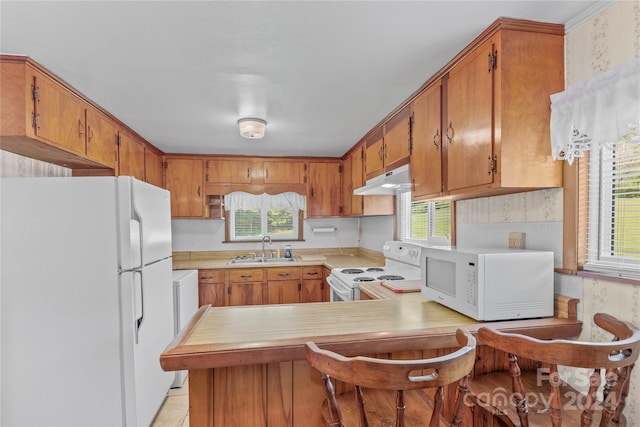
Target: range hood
[{"x": 390, "y": 183}]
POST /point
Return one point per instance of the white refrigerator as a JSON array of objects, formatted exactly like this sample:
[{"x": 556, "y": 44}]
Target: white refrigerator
[{"x": 86, "y": 301}]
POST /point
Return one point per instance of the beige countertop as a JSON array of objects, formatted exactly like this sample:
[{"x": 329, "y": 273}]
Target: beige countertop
[
  {"x": 232, "y": 336},
  {"x": 330, "y": 258}
]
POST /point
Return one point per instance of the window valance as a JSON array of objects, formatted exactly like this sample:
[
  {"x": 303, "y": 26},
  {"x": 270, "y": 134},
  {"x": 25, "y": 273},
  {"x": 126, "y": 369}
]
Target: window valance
[
  {"x": 239, "y": 200},
  {"x": 600, "y": 110}
]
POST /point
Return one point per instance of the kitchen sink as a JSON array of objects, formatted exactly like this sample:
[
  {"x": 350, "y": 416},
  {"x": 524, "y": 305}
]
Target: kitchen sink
[{"x": 242, "y": 260}]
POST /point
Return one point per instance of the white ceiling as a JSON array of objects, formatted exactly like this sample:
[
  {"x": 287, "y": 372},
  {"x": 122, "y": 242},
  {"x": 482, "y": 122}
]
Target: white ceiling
[{"x": 322, "y": 73}]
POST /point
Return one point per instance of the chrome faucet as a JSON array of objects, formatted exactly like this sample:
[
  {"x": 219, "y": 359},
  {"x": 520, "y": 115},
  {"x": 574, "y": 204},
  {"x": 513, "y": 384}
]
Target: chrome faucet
[{"x": 264, "y": 239}]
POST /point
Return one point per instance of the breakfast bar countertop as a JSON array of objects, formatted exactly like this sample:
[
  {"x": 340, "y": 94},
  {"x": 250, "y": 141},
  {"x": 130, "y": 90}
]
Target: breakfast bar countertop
[{"x": 234, "y": 336}]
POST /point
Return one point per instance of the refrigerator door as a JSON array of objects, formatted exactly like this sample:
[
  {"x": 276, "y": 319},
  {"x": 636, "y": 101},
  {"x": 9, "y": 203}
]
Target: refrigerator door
[
  {"x": 147, "y": 307},
  {"x": 145, "y": 223},
  {"x": 60, "y": 308}
]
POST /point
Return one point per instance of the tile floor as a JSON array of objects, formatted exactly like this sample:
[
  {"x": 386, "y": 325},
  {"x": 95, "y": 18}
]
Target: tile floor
[{"x": 174, "y": 412}]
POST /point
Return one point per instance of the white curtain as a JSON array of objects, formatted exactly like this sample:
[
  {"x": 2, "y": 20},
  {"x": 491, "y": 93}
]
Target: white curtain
[
  {"x": 600, "y": 110},
  {"x": 239, "y": 200}
]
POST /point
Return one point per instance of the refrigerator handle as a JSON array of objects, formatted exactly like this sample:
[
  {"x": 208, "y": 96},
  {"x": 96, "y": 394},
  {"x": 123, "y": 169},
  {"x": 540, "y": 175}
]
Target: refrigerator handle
[
  {"x": 137, "y": 224},
  {"x": 138, "y": 301}
]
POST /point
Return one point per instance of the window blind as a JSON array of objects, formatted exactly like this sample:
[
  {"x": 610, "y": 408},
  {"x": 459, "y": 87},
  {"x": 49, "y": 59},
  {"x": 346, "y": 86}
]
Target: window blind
[{"x": 613, "y": 238}]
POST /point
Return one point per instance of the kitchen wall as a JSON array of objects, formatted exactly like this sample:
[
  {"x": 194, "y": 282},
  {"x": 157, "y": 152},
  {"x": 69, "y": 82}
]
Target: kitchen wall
[
  {"x": 14, "y": 165},
  {"x": 594, "y": 46},
  {"x": 208, "y": 235}
]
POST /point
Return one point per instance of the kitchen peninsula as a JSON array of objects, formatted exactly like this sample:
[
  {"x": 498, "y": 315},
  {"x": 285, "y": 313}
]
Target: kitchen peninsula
[{"x": 247, "y": 367}]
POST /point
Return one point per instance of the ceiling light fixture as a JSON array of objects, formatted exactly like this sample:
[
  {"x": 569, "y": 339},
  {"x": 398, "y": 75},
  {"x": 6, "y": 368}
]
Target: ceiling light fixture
[{"x": 252, "y": 128}]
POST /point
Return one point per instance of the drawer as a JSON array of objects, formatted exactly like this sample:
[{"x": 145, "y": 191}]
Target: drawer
[
  {"x": 211, "y": 276},
  {"x": 246, "y": 275},
  {"x": 312, "y": 272},
  {"x": 283, "y": 273}
]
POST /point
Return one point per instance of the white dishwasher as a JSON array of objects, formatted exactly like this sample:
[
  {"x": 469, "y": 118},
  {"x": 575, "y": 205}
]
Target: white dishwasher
[{"x": 185, "y": 305}]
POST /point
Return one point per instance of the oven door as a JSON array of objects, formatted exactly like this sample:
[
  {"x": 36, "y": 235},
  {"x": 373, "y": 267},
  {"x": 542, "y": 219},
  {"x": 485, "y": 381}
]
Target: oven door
[{"x": 339, "y": 291}]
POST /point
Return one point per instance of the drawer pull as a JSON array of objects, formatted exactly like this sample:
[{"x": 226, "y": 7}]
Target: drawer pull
[
  {"x": 206, "y": 277},
  {"x": 246, "y": 276},
  {"x": 283, "y": 274},
  {"x": 314, "y": 273}
]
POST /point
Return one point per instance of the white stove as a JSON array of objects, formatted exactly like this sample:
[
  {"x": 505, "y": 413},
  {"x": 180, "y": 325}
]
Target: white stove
[{"x": 402, "y": 262}]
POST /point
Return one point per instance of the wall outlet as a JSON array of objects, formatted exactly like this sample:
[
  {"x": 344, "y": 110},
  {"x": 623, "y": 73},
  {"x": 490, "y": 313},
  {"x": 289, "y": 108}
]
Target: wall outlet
[{"x": 516, "y": 240}]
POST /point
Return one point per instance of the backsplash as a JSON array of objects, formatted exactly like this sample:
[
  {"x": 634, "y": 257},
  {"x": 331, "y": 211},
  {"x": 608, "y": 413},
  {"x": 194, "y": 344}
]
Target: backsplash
[{"x": 14, "y": 165}]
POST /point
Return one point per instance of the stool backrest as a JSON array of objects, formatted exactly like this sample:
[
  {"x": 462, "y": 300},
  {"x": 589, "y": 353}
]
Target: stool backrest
[{"x": 397, "y": 375}]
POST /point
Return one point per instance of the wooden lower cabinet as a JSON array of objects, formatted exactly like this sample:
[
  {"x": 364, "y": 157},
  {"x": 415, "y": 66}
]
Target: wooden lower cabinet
[
  {"x": 271, "y": 285},
  {"x": 212, "y": 288},
  {"x": 312, "y": 285}
]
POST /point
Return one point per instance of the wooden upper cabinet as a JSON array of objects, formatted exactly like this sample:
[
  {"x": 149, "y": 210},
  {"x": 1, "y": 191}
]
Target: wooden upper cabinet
[
  {"x": 397, "y": 137},
  {"x": 426, "y": 160},
  {"x": 223, "y": 171},
  {"x": 102, "y": 138},
  {"x": 46, "y": 119},
  {"x": 184, "y": 179},
  {"x": 347, "y": 186},
  {"x": 324, "y": 195},
  {"x": 131, "y": 156},
  {"x": 498, "y": 112},
  {"x": 153, "y": 170},
  {"x": 365, "y": 205},
  {"x": 284, "y": 172},
  {"x": 59, "y": 114},
  {"x": 469, "y": 132},
  {"x": 374, "y": 155}
]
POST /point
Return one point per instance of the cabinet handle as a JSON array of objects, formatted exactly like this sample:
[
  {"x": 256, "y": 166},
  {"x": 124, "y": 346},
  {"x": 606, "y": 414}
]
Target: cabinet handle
[
  {"x": 450, "y": 138},
  {"x": 436, "y": 138},
  {"x": 198, "y": 191},
  {"x": 206, "y": 277},
  {"x": 311, "y": 192},
  {"x": 384, "y": 151},
  {"x": 89, "y": 134},
  {"x": 283, "y": 274},
  {"x": 247, "y": 276},
  {"x": 248, "y": 173},
  {"x": 312, "y": 273},
  {"x": 80, "y": 129}
]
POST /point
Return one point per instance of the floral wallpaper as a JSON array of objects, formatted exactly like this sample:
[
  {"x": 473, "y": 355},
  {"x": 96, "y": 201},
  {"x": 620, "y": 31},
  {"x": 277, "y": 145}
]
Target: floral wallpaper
[{"x": 607, "y": 39}]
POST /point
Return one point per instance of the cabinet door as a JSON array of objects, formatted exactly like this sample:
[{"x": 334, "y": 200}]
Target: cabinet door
[
  {"x": 153, "y": 167},
  {"x": 229, "y": 171},
  {"x": 469, "y": 135},
  {"x": 213, "y": 293},
  {"x": 283, "y": 292},
  {"x": 184, "y": 181},
  {"x": 60, "y": 115},
  {"x": 357, "y": 180},
  {"x": 324, "y": 189},
  {"x": 247, "y": 293},
  {"x": 212, "y": 288},
  {"x": 102, "y": 135},
  {"x": 426, "y": 159},
  {"x": 281, "y": 172},
  {"x": 312, "y": 284},
  {"x": 373, "y": 157},
  {"x": 131, "y": 156},
  {"x": 397, "y": 137},
  {"x": 311, "y": 291}
]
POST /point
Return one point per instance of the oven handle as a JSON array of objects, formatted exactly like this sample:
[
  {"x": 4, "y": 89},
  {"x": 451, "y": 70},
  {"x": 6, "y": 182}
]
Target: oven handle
[
  {"x": 337, "y": 285},
  {"x": 339, "y": 288}
]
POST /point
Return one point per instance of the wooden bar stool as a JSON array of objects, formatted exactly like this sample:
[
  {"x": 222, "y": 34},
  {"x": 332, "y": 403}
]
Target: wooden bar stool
[
  {"x": 540, "y": 397},
  {"x": 376, "y": 380}
]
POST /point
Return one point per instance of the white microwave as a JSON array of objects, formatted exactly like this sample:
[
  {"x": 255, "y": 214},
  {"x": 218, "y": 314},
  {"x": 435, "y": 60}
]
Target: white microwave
[{"x": 489, "y": 283}]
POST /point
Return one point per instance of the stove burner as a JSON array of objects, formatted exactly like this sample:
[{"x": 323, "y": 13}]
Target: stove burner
[
  {"x": 352, "y": 271},
  {"x": 390, "y": 277},
  {"x": 375, "y": 269},
  {"x": 363, "y": 279}
]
